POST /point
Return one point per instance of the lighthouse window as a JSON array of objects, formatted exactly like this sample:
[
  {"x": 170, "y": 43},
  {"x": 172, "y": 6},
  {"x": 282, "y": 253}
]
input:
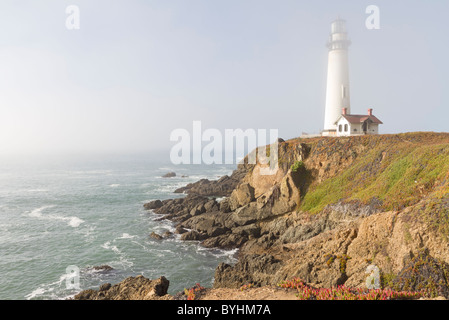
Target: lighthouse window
[
  {"x": 339, "y": 128},
  {"x": 346, "y": 127}
]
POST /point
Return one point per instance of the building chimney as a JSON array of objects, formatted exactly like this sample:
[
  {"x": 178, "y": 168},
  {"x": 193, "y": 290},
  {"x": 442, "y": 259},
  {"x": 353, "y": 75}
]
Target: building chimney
[
  {"x": 370, "y": 112},
  {"x": 344, "y": 110}
]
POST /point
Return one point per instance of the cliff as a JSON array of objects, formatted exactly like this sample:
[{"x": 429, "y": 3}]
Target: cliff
[
  {"x": 369, "y": 200},
  {"x": 334, "y": 207}
]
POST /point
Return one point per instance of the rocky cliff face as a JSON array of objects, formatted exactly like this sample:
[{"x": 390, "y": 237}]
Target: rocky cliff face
[{"x": 334, "y": 207}]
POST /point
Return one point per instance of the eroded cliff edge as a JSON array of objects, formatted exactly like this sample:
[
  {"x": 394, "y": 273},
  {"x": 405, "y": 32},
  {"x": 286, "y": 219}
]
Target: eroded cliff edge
[{"x": 335, "y": 206}]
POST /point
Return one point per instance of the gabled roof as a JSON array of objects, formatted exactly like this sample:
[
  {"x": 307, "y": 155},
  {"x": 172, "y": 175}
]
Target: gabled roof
[{"x": 359, "y": 118}]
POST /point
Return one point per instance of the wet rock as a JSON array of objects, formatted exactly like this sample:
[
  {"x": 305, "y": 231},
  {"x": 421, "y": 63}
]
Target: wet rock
[
  {"x": 222, "y": 187},
  {"x": 169, "y": 175},
  {"x": 180, "y": 230},
  {"x": 167, "y": 234},
  {"x": 105, "y": 287},
  {"x": 102, "y": 268},
  {"x": 192, "y": 236},
  {"x": 153, "y": 205},
  {"x": 155, "y": 236}
]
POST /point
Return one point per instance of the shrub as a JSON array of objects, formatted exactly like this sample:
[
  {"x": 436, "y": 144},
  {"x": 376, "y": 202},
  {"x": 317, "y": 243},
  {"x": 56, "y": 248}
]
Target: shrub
[{"x": 297, "y": 166}]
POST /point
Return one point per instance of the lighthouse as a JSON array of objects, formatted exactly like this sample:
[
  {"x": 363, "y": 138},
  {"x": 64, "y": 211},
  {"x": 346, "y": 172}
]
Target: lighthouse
[{"x": 337, "y": 91}]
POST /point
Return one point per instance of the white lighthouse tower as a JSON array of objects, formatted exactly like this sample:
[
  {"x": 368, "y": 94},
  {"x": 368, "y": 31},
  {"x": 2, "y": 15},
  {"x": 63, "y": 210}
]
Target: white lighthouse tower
[{"x": 337, "y": 92}]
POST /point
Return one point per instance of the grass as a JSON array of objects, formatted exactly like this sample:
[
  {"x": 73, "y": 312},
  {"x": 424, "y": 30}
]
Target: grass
[{"x": 399, "y": 175}]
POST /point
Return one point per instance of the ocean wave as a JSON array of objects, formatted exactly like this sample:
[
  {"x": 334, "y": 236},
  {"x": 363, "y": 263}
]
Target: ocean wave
[
  {"x": 37, "y": 190},
  {"x": 219, "y": 253},
  {"x": 37, "y": 213},
  {"x": 34, "y": 294},
  {"x": 48, "y": 290},
  {"x": 174, "y": 169},
  {"x": 126, "y": 236},
  {"x": 123, "y": 260},
  {"x": 73, "y": 222}
]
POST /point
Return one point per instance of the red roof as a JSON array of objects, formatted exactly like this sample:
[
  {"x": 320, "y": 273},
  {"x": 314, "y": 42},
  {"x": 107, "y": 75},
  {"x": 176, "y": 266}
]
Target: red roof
[{"x": 359, "y": 118}]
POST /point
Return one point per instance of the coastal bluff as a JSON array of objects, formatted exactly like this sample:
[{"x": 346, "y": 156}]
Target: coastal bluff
[{"x": 334, "y": 207}]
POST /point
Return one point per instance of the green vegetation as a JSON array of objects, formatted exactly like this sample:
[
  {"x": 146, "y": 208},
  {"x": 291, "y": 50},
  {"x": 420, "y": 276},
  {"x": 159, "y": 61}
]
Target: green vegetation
[
  {"x": 330, "y": 258},
  {"x": 343, "y": 261},
  {"x": 398, "y": 172},
  {"x": 424, "y": 272},
  {"x": 387, "y": 280},
  {"x": 297, "y": 166}
]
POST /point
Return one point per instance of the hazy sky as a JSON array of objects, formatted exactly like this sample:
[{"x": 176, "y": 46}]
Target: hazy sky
[{"x": 137, "y": 70}]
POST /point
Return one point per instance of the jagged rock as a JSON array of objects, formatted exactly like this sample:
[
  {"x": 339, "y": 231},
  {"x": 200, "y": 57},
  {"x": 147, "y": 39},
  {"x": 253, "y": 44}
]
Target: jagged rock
[
  {"x": 105, "y": 287},
  {"x": 167, "y": 234},
  {"x": 218, "y": 188},
  {"x": 153, "y": 205},
  {"x": 132, "y": 288},
  {"x": 224, "y": 205},
  {"x": 211, "y": 205},
  {"x": 251, "y": 231},
  {"x": 155, "y": 236},
  {"x": 192, "y": 236},
  {"x": 255, "y": 269},
  {"x": 225, "y": 241},
  {"x": 169, "y": 175},
  {"x": 180, "y": 230},
  {"x": 102, "y": 268},
  {"x": 241, "y": 196}
]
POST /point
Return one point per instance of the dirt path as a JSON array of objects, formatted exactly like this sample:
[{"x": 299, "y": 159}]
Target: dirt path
[{"x": 263, "y": 293}]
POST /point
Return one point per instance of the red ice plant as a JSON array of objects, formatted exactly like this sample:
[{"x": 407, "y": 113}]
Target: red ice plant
[
  {"x": 190, "y": 293},
  {"x": 342, "y": 292}
]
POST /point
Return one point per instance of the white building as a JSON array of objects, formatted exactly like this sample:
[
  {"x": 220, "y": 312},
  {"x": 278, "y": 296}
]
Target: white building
[
  {"x": 337, "y": 91},
  {"x": 338, "y": 120},
  {"x": 357, "y": 124}
]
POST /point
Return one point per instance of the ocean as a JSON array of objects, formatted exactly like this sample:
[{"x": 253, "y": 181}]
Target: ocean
[{"x": 60, "y": 217}]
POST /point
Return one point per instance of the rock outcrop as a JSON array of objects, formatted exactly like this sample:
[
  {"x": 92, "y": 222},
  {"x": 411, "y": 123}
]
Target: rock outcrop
[
  {"x": 132, "y": 288},
  {"x": 218, "y": 188},
  {"x": 169, "y": 175}
]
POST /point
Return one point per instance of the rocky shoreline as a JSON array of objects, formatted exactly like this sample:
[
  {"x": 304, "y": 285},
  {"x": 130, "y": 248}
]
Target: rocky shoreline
[{"x": 262, "y": 217}]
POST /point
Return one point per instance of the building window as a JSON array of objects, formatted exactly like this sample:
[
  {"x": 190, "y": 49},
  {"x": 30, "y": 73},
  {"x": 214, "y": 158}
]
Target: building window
[
  {"x": 355, "y": 130},
  {"x": 339, "y": 128},
  {"x": 346, "y": 128}
]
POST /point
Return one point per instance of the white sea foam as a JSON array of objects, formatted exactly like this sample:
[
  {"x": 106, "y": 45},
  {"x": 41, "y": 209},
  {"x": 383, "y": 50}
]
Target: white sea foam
[
  {"x": 114, "y": 185},
  {"x": 37, "y": 190},
  {"x": 73, "y": 222},
  {"x": 220, "y": 199},
  {"x": 126, "y": 236},
  {"x": 37, "y": 213},
  {"x": 122, "y": 257},
  {"x": 48, "y": 290},
  {"x": 35, "y": 293}
]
